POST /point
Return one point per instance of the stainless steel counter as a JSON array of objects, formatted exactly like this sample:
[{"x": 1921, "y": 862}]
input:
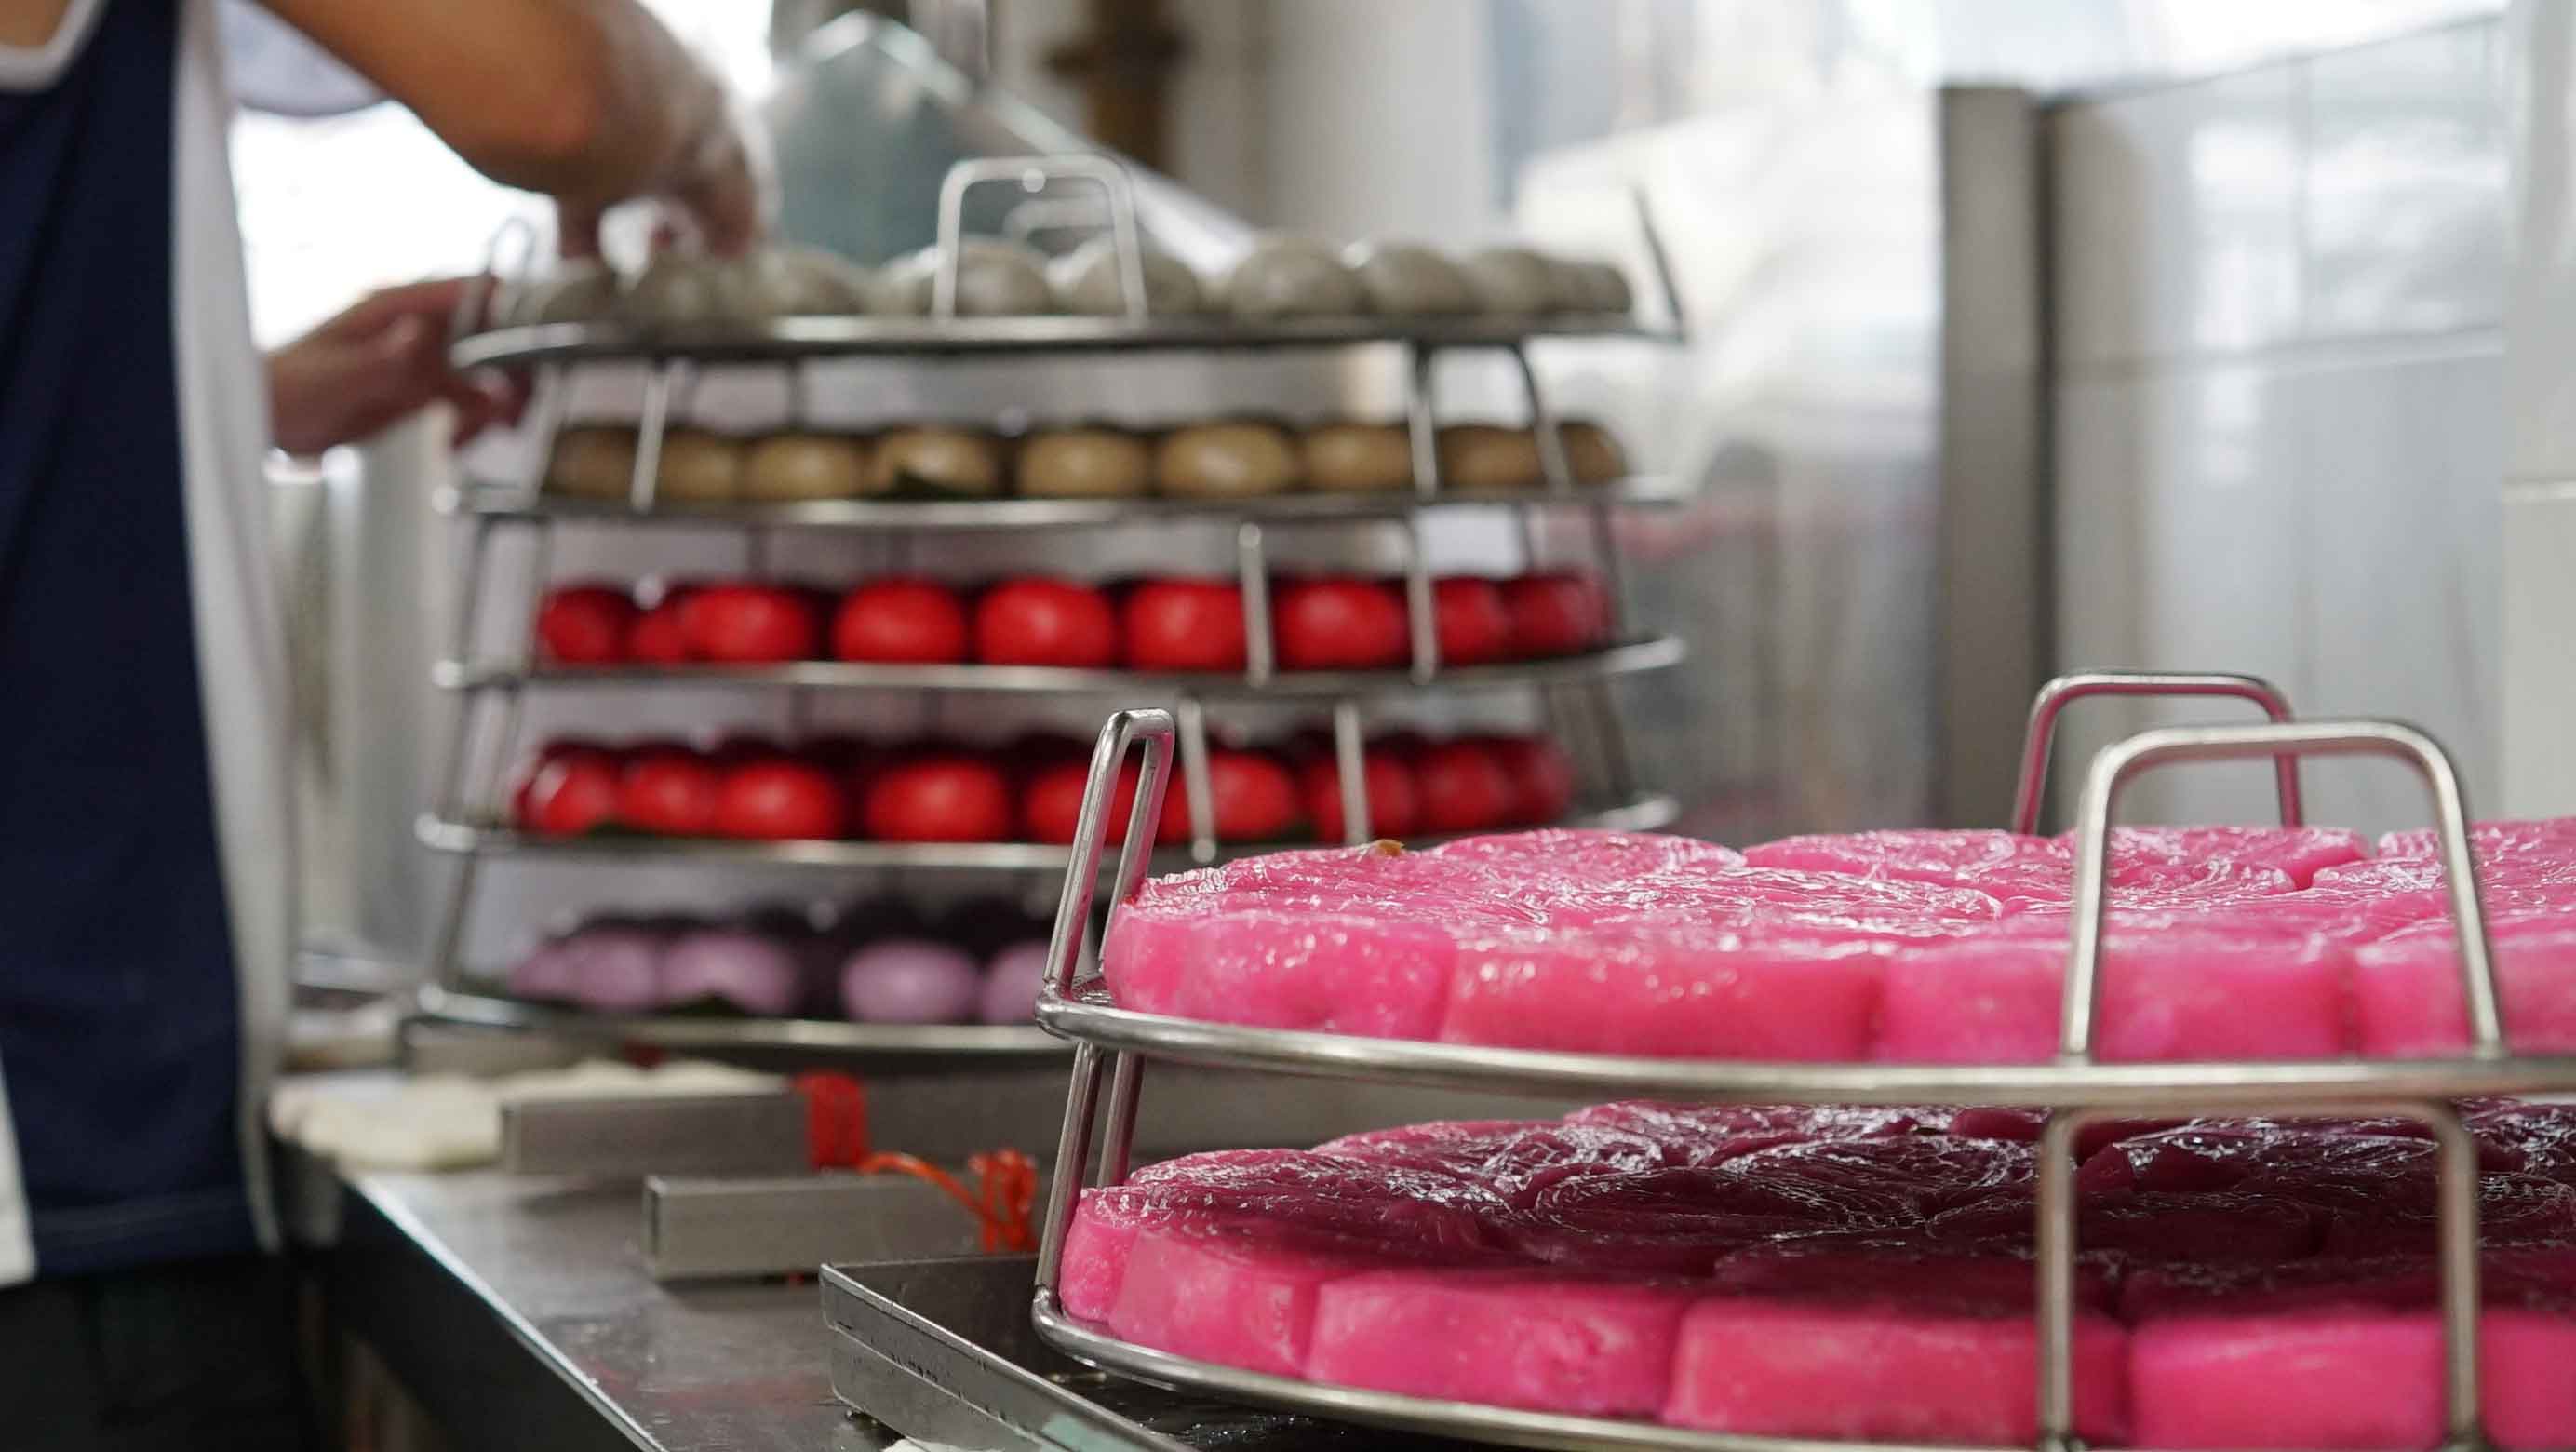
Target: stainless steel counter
[{"x": 518, "y": 1313}]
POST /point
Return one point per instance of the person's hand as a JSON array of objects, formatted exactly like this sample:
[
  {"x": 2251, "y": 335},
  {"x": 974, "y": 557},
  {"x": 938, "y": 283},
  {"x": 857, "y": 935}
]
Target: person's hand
[
  {"x": 376, "y": 364},
  {"x": 722, "y": 189}
]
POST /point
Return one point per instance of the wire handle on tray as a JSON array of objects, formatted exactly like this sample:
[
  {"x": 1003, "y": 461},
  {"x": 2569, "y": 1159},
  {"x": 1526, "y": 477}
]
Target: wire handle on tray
[
  {"x": 2117, "y": 763},
  {"x": 1033, "y": 174},
  {"x": 2456, "y": 1222},
  {"x": 2066, "y": 690},
  {"x": 474, "y": 301},
  {"x": 1155, "y": 728},
  {"x": 1660, "y": 263},
  {"x": 2455, "y": 1226},
  {"x": 1053, "y": 214}
]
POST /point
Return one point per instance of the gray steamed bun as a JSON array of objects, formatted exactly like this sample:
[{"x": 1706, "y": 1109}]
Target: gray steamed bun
[
  {"x": 1291, "y": 277},
  {"x": 995, "y": 279},
  {"x": 1402, "y": 278},
  {"x": 1085, "y": 281}
]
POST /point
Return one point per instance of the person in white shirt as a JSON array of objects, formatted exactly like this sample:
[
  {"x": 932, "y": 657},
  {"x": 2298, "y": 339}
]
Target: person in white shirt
[{"x": 145, "y": 853}]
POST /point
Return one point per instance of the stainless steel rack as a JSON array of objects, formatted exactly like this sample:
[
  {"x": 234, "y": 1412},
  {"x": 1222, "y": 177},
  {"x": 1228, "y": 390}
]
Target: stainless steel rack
[
  {"x": 942, "y": 1350},
  {"x": 495, "y": 839},
  {"x": 803, "y": 339},
  {"x": 469, "y": 816},
  {"x": 687, "y": 1032},
  {"x": 944, "y": 333},
  {"x": 515, "y": 502},
  {"x": 1113, "y": 1045},
  {"x": 1653, "y": 653}
]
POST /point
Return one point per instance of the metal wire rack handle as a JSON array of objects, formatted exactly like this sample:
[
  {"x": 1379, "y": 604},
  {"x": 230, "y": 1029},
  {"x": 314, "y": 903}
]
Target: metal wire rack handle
[
  {"x": 2117, "y": 763},
  {"x": 1059, "y": 214},
  {"x": 474, "y": 301},
  {"x": 2456, "y": 1221},
  {"x": 2053, "y": 698},
  {"x": 1032, "y": 174},
  {"x": 1659, "y": 261},
  {"x": 2456, "y": 1224},
  {"x": 1156, "y": 729},
  {"x": 1064, "y": 956}
]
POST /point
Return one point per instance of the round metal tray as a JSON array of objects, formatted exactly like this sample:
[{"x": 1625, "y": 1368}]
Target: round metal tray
[
  {"x": 496, "y": 501},
  {"x": 1116, "y": 1044},
  {"x": 789, "y": 340},
  {"x": 1655, "y": 653},
  {"x": 1081, "y": 1009},
  {"x": 1088, "y": 1016},
  {"x": 1505, "y": 1426},
  {"x": 878, "y": 1041},
  {"x": 487, "y": 839}
]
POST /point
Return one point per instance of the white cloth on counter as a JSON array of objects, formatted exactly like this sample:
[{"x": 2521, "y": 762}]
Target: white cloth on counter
[{"x": 450, "y": 1121}]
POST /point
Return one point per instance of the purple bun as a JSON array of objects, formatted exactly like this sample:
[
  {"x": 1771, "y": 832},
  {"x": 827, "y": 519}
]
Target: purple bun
[
  {"x": 905, "y": 980},
  {"x": 616, "y": 970},
  {"x": 753, "y": 972},
  {"x": 544, "y": 975},
  {"x": 1011, "y": 983}
]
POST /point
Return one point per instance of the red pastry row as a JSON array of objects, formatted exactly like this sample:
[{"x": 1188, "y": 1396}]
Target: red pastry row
[
  {"x": 1317, "y": 623},
  {"x": 839, "y": 788}
]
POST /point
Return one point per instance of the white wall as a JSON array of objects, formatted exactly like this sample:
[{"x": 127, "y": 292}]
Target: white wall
[
  {"x": 2540, "y": 389},
  {"x": 1217, "y": 123},
  {"x": 2279, "y": 405},
  {"x": 1380, "y": 118},
  {"x": 1348, "y": 118}
]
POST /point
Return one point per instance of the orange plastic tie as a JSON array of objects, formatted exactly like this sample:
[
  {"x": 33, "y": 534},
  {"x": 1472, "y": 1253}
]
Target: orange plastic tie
[
  {"x": 1010, "y": 1181},
  {"x": 1004, "y": 1196}
]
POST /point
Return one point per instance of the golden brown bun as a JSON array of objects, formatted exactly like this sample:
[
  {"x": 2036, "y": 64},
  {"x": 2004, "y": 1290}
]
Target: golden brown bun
[
  {"x": 1357, "y": 458},
  {"x": 1225, "y": 461},
  {"x": 1084, "y": 463},
  {"x": 593, "y": 462},
  {"x": 699, "y": 467},
  {"x": 1592, "y": 454},
  {"x": 804, "y": 466},
  {"x": 1488, "y": 457},
  {"x": 950, "y": 461}
]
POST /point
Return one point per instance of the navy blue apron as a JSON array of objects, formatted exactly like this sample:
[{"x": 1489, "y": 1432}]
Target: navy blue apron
[{"x": 119, "y": 1034}]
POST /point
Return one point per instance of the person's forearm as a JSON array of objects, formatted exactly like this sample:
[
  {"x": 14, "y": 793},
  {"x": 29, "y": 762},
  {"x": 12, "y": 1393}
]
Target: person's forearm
[{"x": 589, "y": 100}]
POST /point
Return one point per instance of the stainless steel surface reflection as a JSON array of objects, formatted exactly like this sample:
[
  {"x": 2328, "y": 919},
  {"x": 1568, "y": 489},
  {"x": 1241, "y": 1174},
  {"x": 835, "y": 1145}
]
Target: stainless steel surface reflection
[{"x": 519, "y": 1313}]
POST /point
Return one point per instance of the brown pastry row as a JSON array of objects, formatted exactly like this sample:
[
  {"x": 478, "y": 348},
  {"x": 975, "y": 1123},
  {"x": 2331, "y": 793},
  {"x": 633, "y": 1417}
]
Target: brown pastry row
[{"x": 1231, "y": 459}]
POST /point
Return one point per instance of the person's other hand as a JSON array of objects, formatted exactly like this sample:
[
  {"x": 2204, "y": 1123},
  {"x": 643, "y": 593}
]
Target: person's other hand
[{"x": 376, "y": 364}]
